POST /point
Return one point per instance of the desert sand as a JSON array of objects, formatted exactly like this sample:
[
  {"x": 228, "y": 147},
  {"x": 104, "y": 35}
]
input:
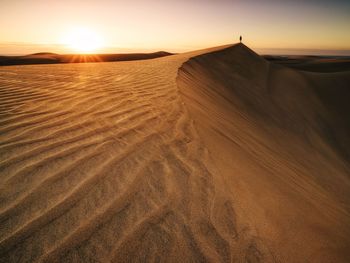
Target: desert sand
[{"x": 210, "y": 156}]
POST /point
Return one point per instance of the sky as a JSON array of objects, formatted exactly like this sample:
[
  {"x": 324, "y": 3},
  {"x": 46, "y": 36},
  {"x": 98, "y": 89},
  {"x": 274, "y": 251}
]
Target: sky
[{"x": 312, "y": 26}]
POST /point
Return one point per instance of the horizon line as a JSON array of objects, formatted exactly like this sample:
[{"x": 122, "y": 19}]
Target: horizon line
[{"x": 128, "y": 50}]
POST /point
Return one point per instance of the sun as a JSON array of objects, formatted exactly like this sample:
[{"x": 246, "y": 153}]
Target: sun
[{"x": 83, "y": 40}]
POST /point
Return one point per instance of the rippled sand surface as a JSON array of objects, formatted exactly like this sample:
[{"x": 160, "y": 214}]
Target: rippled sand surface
[{"x": 153, "y": 161}]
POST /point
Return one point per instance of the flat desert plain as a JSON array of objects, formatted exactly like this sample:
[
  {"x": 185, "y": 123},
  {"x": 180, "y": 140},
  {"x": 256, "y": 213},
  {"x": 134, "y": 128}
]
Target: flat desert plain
[{"x": 216, "y": 155}]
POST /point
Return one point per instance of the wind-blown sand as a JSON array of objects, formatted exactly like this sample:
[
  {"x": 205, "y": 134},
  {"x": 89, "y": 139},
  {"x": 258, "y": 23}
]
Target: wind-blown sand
[{"x": 209, "y": 156}]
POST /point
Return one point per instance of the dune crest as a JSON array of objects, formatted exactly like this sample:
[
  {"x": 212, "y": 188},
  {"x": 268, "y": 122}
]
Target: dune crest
[{"x": 280, "y": 140}]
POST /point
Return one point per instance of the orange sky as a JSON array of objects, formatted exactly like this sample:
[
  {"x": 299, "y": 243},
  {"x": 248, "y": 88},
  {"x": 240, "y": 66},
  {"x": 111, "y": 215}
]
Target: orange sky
[{"x": 29, "y": 26}]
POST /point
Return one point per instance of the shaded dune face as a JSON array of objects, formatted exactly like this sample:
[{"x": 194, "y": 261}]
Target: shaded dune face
[{"x": 280, "y": 141}]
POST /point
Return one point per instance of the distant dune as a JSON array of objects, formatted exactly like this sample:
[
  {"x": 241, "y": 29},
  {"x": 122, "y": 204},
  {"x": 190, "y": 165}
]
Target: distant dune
[
  {"x": 52, "y": 58},
  {"x": 325, "y": 64},
  {"x": 216, "y": 155}
]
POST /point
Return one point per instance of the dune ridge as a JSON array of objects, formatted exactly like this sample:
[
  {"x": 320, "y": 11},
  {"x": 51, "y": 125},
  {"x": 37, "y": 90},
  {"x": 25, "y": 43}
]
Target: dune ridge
[{"x": 156, "y": 160}]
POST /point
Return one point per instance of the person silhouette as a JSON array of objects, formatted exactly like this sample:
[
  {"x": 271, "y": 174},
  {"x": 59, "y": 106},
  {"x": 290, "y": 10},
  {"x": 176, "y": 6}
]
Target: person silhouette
[{"x": 240, "y": 39}]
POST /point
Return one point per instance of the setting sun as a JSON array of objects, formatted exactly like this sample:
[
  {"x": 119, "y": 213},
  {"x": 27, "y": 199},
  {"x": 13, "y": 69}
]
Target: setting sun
[{"x": 83, "y": 40}]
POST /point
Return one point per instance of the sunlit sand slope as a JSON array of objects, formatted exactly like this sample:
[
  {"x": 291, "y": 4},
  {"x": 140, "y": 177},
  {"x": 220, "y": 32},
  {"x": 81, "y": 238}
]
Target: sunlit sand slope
[
  {"x": 280, "y": 141},
  {"x": 101, "y": 162},
  {"x": 143, "y": 162}
]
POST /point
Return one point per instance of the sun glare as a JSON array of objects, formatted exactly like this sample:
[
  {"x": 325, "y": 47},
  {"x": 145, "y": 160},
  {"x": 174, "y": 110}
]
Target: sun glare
[{"x": 83, "y": 40}]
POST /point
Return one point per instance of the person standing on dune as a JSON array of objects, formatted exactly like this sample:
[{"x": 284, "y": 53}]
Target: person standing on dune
[{"x": 240, "y": 39}]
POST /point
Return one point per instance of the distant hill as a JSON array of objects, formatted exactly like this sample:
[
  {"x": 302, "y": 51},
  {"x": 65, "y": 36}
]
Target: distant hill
[
  {"x": 52, "y": 58},
  {"x": 312, "y": 63},
  {"x": 44, "y": 53}
]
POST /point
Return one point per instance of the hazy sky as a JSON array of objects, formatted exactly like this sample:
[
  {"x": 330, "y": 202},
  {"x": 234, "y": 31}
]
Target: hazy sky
[{"x": 146, "y": 25}]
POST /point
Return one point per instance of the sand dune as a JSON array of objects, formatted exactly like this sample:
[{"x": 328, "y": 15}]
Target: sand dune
[
  {"x": 280, "y": 140},
  {"x": 324, "y": 64},
  {"x": 208, "y": 156}
]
